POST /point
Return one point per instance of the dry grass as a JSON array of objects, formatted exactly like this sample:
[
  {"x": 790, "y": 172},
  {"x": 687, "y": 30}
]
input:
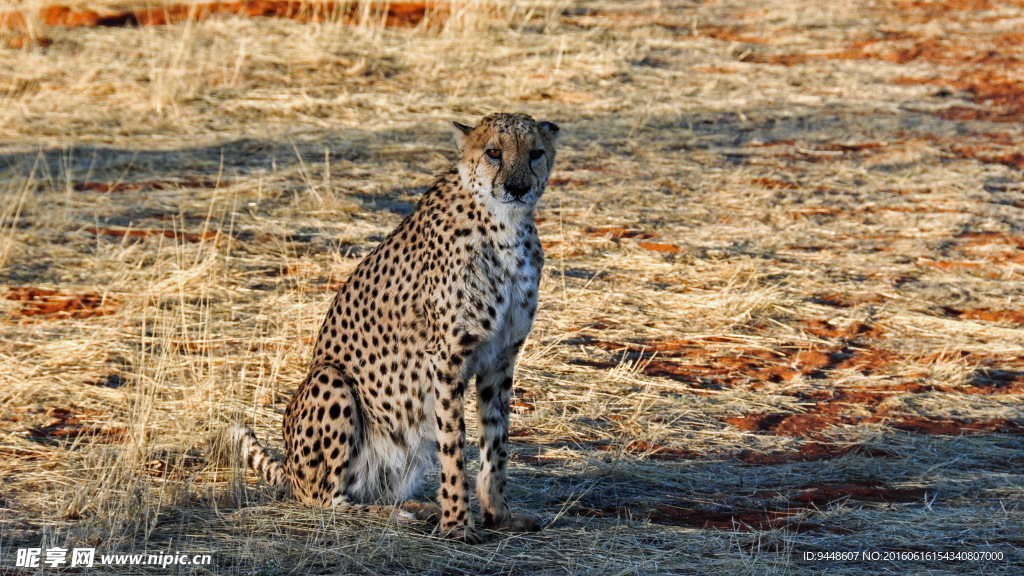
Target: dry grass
[{"x": 781, "y": 313}]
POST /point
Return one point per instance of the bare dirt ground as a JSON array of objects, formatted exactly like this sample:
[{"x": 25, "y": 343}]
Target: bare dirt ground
[{"x": 781, "y": 314}]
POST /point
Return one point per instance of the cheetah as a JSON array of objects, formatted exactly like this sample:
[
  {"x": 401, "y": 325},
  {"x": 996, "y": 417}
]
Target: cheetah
[{"x": 447, "y": 298}]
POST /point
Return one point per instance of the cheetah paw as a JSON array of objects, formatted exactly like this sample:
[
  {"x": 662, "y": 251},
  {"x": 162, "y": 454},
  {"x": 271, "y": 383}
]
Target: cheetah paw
[
  {"x": 516, "y": 523},
  {"x": 422, "y": 510},
  {"x": 466, "y": 534}
]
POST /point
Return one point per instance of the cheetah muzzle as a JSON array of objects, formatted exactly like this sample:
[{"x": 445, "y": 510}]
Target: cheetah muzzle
[{"x": 446, "y": 299}]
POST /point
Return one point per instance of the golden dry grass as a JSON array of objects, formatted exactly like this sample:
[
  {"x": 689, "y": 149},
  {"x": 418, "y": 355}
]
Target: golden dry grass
[{"x": 781, "y": 310}]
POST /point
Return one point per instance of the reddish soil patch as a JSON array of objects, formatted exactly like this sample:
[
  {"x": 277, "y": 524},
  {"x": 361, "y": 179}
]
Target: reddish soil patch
[
  {"x": 995, "y": 89},
  {"x": 560, "y": 249},
  {"x": 927, "y": 10},
  {"x": 808, "y": 452},
  {"x": 987, "y": 238},
  {"x": 52, "y": 304},
  {"x": 714, "y": 70},
  {"x": 684, "y": 362},
  {"x": 1001, "y": 316},
  {"x": 521, "y": 407},
  {"x": 995, "y": 247},
  {"x": 847, "y": 300},
  {"x": 773, "y": 184},
  {"x": 173, "y": 465},
  {"x": 844, "y": 408},
  {"x": 983, "y": 269},
  {"x": 754, "y": 368},
  {"x": 1002, "y": 97},
  {"x": 326, "y": 287},
  {"x": 19, "y": 42},
  {"x": 911, "y": 210},
  {"x": 658, "y": 247},
  {"x": 848, "y": 408},
  {"x": 953, "y": 264},
  {"x": 399, "y": 14},
  {"x": 893, "y": 47},
  {"x": 145, "y": 232},
  {"x": 674, "y": 346},
  {"x": 758, "y": 365},
  {"x": 774, "y": 516},
  {"x": 65, "y": 424},
  {"x": 850, "y": 146},
  {"x": 862, "y": 491},
  {"x": 955, "y": 427},
  {"x": 916, "y": 81},
  {"x": 990, "y": 154},
  {"x": 982, "y": 64},
  {"x": 618, "y": 233},
  {"x": 732, "y": 34},
  {"x": 565, "y": 182},
  {"x": 772, "y": 143},
  {"x": 824, "y": 329},
  {"x": 780, "y": 59},
  {"x": 530, "y": 436},
  {"x": 523, "y": 402},
  {"x": 652, "y": 451},
  {"x": 809, "y": 424}
]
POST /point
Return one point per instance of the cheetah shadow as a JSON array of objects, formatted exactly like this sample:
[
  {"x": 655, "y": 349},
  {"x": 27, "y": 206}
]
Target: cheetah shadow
[{"x": 722, "y": 492}]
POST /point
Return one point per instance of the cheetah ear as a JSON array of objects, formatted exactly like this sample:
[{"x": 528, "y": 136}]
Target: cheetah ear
[
  {"x": 549, "y": 129},
  {"x": 461, "y": 134}
]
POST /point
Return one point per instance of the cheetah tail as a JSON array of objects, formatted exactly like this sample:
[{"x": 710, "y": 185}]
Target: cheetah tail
[{"x": 259, "y": 459}]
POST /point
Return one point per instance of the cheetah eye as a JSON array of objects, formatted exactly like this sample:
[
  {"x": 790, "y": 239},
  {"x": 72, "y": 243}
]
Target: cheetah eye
[
  {"x": 494, "y": 153},
  {"x": 535, "y": 154}
]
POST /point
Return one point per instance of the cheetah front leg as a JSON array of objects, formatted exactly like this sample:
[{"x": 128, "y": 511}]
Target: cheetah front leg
[
  {"x": 453, "y": 493},
  {"x": 494, "y": 390}
]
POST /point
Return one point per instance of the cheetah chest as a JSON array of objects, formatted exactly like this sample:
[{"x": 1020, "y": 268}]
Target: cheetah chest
[{"x": 516, "y": 280}]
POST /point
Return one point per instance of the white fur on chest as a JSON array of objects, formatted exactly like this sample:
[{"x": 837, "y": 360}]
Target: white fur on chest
[{"x": 517, "y": 281}]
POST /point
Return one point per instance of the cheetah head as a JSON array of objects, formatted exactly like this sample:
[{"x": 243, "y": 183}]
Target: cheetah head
[{"x": 507, "y": 159}]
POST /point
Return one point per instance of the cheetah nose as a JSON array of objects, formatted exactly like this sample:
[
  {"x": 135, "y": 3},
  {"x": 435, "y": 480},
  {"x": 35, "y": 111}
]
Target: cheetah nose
[{"x": 516, "y": 190}]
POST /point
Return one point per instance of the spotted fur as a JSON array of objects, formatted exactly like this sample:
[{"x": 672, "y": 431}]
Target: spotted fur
[{"x": 446, "y": 299}]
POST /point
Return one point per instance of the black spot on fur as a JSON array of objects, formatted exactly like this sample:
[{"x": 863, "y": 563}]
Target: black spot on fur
[{"x": 486, "y": 394}]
